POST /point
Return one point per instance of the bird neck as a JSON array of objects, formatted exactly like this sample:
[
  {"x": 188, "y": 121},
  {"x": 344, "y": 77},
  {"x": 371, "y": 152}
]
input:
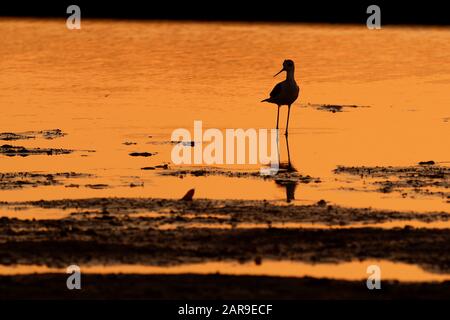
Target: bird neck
[{"x": 290, "y": 75}]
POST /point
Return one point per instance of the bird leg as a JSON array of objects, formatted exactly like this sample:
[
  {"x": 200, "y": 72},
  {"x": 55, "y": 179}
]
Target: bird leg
[
  {"x": 287, "y": 122},
  {"x": 278, "y": 115},
  {"x": 288, "y": 153}
]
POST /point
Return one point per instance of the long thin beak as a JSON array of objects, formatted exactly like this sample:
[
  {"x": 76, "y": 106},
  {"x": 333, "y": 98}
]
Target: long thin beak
[{"x": 279, "y": 72}]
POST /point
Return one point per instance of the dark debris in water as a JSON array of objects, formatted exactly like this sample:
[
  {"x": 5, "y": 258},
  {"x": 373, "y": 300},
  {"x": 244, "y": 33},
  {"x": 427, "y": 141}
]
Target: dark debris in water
[
  {"x": 12, "y": 151},
  {"x": 97, "y": 186},
  {"x": 18, "y": 180},
  {"x": 421, "y": 171},
  {"x": 52, "y": 134},
  {"x": 331, "y": 108},
  {"x": 283, "y": 175},
  {"x": 164, "y": 166},
  {"x": 335, "y": 107},
  {"x": 426, "y": 178},
  {"x": 45, "y": 134},
  {"x": 184, "y": 143},
  {"x": 427, "y": 163},
  {"x": 142, "y": 154},
  {"x": 10, "y": 136}
]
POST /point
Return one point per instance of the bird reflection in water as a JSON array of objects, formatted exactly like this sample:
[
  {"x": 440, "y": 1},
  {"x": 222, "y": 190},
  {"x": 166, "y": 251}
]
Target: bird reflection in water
[{"x": 286, "y": 168}]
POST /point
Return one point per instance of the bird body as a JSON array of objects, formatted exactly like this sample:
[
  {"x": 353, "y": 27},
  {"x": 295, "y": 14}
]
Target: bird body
[{"x": 285, "y": 92}]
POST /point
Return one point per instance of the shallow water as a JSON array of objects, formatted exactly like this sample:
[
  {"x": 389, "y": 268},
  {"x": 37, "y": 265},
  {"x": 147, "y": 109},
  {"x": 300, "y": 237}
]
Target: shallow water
[
  {"x": 116, "y": 81},
  {"x": 355, "y": 270}
]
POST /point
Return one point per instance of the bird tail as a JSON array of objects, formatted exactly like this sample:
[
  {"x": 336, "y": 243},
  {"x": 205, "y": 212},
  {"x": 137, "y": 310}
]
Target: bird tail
[{"x": 265, "y": 100}]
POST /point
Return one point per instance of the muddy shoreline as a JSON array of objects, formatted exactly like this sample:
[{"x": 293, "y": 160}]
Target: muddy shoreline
[
  {"x": 233, "y": 211},
  {"x": 210, "y": 287},
  {"x": 126, "y": 230},
  {"x": 60, "y": 246}
]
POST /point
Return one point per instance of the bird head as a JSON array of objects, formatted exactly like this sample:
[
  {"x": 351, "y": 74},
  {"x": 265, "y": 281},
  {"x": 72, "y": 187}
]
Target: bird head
[{"x": 288, "y": 65}]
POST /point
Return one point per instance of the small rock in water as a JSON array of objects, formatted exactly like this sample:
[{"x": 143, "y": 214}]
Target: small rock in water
[
  {"x": 142, "y": 154},
  {"x": 134, "y": 185},
  {"x": 159, "y": 166},
  {"x": 427, "y": 163}
]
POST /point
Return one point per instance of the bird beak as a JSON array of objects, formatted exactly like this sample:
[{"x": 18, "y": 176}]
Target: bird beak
[{"x": 279, "y": 72}]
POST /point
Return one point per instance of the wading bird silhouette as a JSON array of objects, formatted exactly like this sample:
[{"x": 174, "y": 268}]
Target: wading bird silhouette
[{"x": 285, "y": 92}]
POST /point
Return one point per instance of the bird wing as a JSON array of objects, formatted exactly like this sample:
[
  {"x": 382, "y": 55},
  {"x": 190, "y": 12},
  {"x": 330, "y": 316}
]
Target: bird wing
[{"x": 276, "y": 90}]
